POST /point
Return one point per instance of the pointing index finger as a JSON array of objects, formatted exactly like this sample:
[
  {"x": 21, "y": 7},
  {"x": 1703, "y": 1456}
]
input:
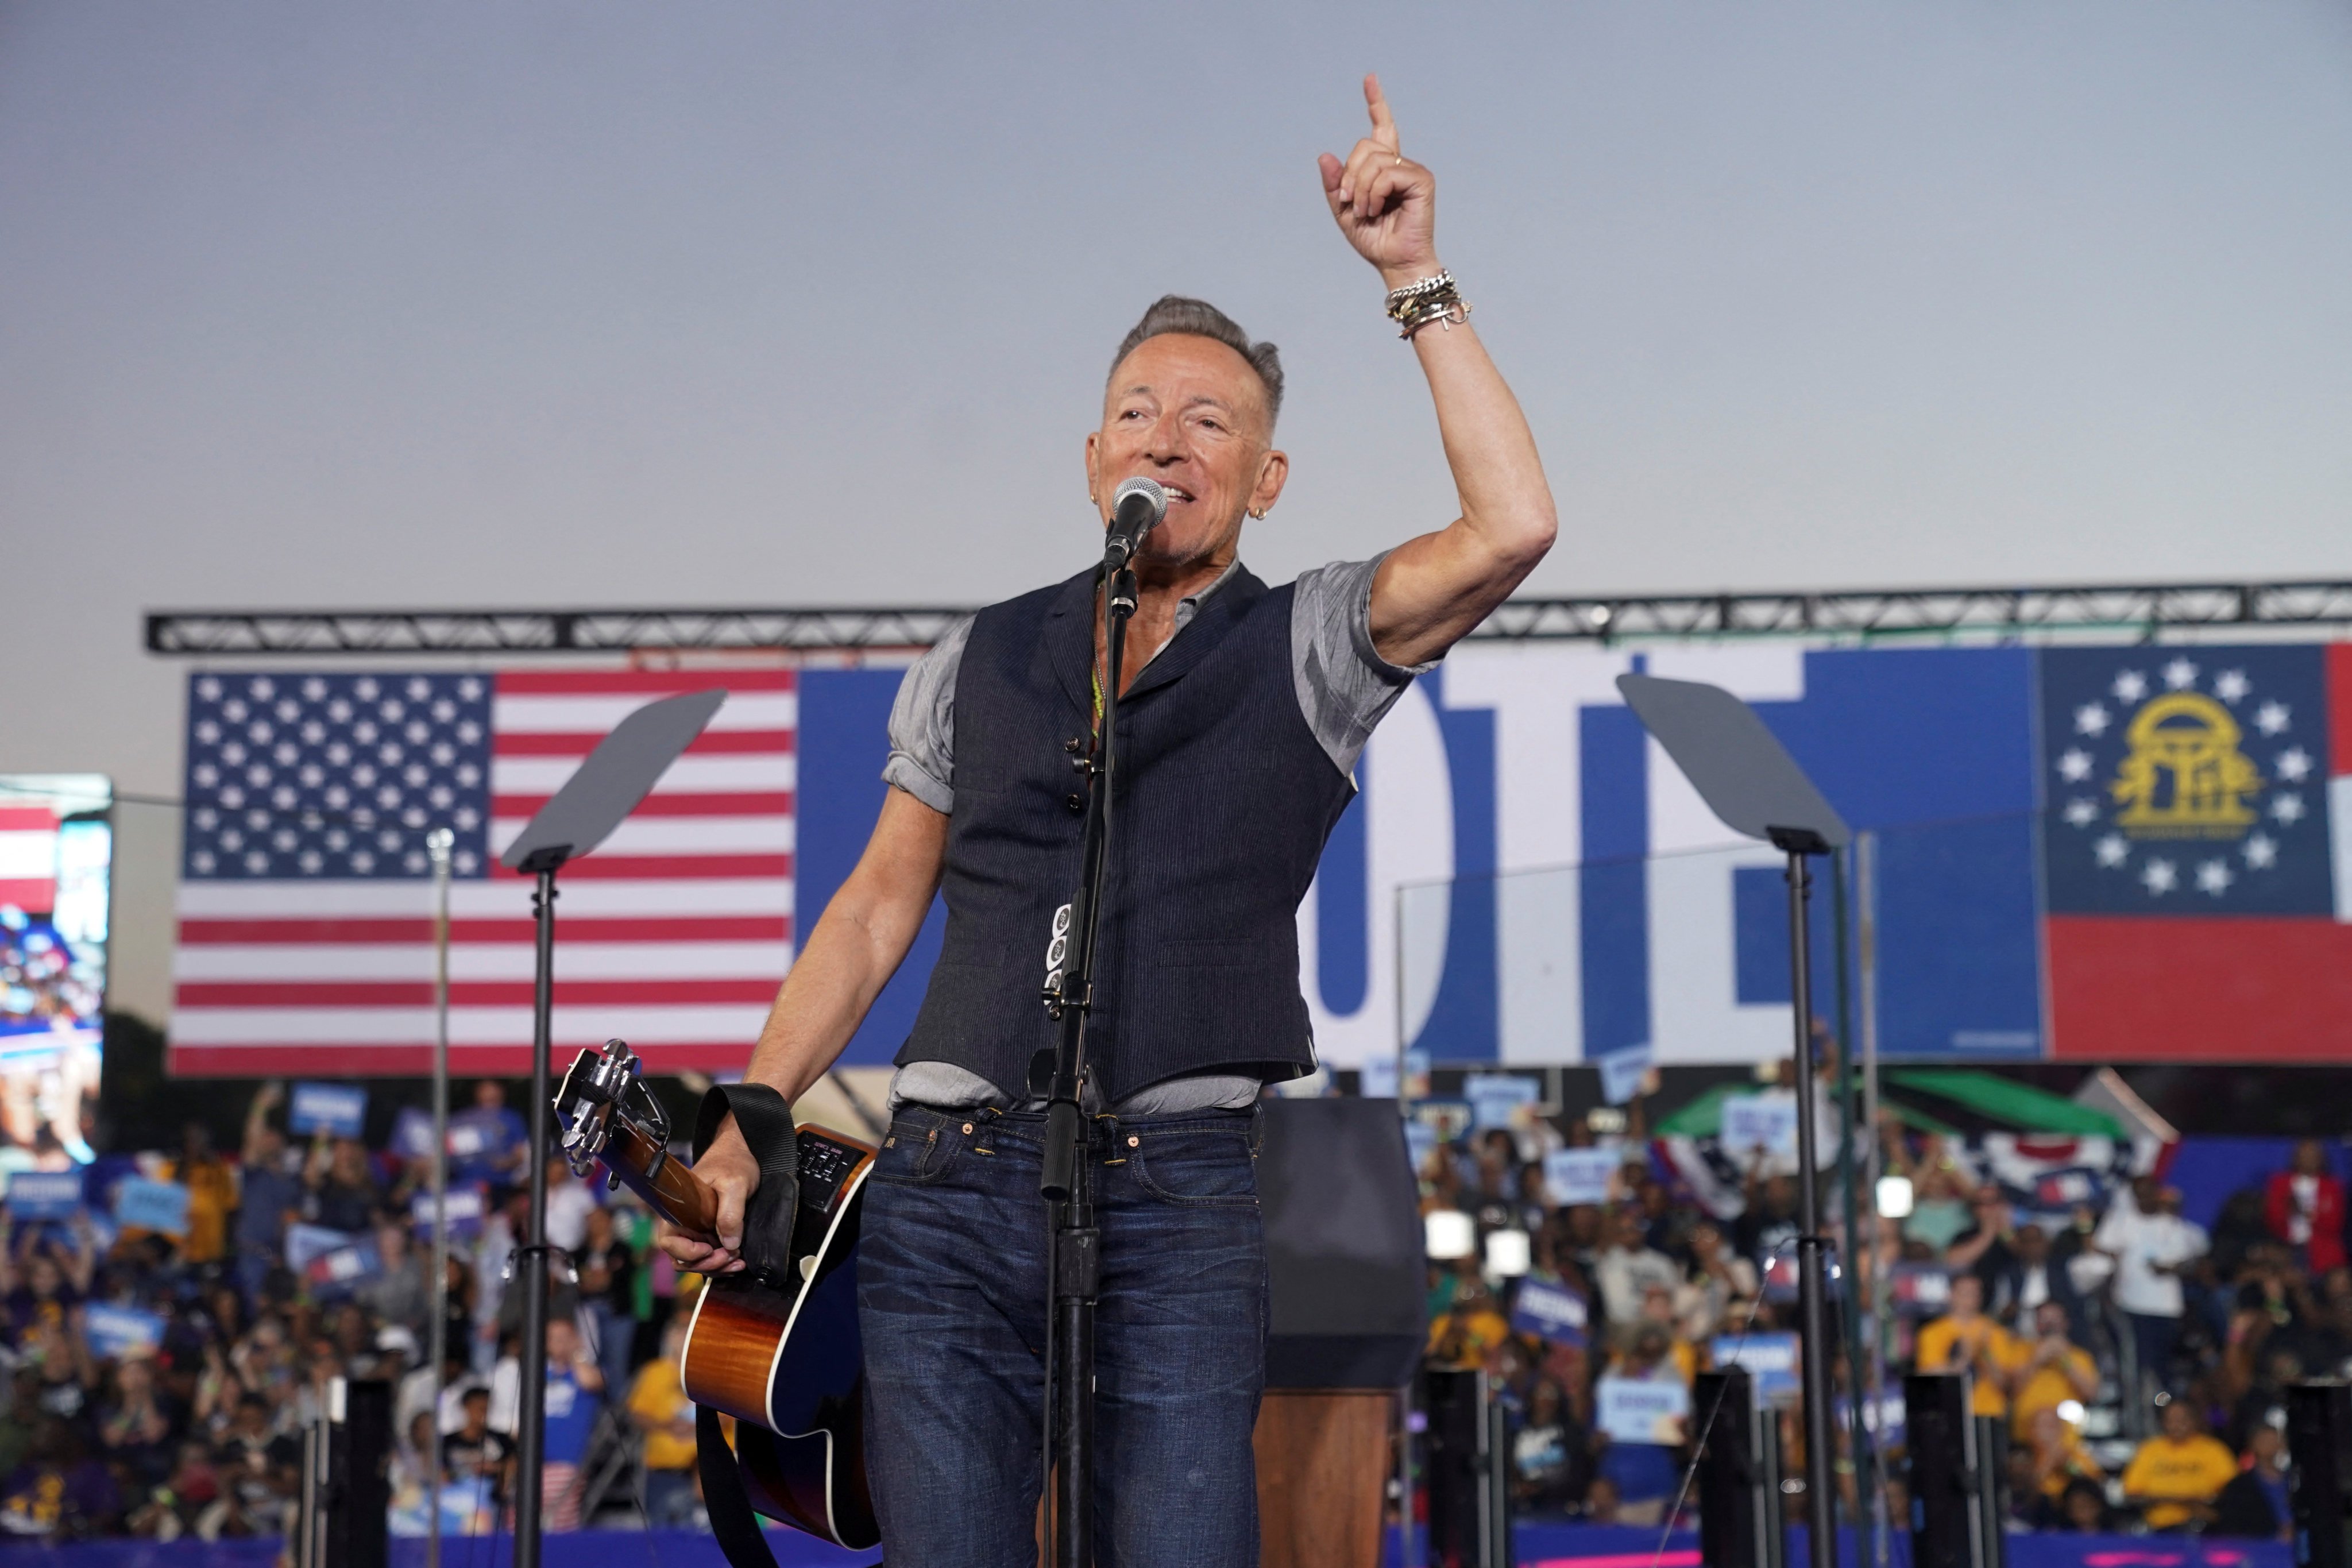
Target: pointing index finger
[{"x": 1385, "y": 129}]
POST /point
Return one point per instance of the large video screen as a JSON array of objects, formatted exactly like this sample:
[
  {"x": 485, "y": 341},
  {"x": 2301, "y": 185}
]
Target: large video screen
[{"x": 57, "y": 852}]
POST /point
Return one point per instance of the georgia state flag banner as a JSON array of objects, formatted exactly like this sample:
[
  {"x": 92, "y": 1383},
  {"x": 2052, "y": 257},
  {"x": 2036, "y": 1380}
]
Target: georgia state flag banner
[{"x": 2193, "y": 852}]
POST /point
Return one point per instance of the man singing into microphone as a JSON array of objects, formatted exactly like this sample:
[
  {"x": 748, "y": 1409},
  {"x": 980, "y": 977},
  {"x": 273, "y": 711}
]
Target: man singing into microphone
[{"x": 1242, "y": 713}]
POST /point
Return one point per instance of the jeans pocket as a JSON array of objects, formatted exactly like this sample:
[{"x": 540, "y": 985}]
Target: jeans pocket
[
  {"x": 1197, "y": 1166},
  {"x": 917, "y": 1151}
]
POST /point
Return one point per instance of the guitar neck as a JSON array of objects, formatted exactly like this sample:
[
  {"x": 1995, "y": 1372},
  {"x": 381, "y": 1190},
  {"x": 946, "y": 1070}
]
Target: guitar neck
[{"x": 675, "y": 1193}]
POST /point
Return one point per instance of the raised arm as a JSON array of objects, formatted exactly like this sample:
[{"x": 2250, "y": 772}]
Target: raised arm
[
  {"x": 847, "y": 959},
  {"x": 1431, "y": 590}
]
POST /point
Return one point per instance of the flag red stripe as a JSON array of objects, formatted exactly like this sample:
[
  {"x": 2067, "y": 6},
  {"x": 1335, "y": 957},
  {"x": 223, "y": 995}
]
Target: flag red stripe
[
  {"x": 674, "y": 867},
  {"x": 710, "y": 742},
  {"x": 586, "y": 928},
  {"x": 2243, "y": 988},
  {"x": 738, "y": 803},
  {"x": 465, "y": 993},
  {"x": 27, "y": 819},
  {"x": 2339, "y": 708},
  {"x": 329, "y": 1058},
  {"x": 33, "y": 895},
  {"x": 590, "y": 682}
]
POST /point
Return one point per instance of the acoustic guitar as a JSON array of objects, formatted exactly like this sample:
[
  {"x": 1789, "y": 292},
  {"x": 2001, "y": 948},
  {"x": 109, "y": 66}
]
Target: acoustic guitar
[{"x": 780, "y": 1353}]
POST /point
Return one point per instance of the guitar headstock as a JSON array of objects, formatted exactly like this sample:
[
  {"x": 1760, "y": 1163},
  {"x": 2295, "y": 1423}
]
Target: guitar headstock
[{"x": 600, "y": 1088}]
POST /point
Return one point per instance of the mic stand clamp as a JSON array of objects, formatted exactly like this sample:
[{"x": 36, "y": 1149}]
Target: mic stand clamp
[{"x": 1073, "y": 1243}]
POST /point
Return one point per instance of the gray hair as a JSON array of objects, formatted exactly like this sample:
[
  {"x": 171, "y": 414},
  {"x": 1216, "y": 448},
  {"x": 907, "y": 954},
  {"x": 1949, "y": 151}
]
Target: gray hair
[{"x": 1176, "y": 313}]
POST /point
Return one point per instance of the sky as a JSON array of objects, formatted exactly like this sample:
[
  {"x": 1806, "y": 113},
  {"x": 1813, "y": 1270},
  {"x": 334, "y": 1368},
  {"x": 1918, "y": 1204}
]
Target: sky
[{"x": 445, "y": 305}]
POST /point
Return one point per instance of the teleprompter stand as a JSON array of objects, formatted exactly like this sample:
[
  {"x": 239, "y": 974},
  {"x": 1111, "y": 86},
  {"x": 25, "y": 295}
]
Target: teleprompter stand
[
  {"x": 605, "y": 788},
  {"x": 1074, "y": 1245},
  {"x": 1749, "y": 781}
]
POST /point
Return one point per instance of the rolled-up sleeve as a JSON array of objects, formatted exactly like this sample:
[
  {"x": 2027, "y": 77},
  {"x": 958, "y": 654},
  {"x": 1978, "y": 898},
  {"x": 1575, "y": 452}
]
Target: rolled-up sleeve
[{"x": 922, "y": 723}]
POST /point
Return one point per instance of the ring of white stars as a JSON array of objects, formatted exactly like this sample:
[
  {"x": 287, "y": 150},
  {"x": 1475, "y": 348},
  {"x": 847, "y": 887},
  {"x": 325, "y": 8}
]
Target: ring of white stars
[{"x": 2159, "y": 874}]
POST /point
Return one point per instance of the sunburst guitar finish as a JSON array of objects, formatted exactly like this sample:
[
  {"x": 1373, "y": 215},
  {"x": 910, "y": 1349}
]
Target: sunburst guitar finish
[{"x": 783, "y": 1361}]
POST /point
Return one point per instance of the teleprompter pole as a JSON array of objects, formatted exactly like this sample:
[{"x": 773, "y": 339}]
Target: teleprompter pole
[
  {"x": 1074, "y": 1245},
  {"x": 1820, "y": 1501},
  {"x": 530, "y": 1260}
]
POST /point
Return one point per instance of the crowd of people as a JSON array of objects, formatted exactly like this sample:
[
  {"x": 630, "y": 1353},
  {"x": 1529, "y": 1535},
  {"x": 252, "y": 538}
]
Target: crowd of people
[
  {"x": 161, "y": 1376},
  {"x": 2136, "y": 1365}
]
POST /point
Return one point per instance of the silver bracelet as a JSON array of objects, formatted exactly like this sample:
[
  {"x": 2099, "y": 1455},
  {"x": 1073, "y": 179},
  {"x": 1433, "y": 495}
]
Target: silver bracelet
[{"x": 1431, "y": 298}]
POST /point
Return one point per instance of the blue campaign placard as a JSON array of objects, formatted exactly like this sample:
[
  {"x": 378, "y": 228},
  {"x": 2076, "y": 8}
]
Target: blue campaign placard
[
  {"x": 1493, "y": 1096},
  {"x": 1549, "y": 1311},
  {"x": 1622, "y": 1073},
  {"x": 1761, "y": 1121},
  {"x": 1420, "y": 1142},
  {"x": 45, "y": 1195},
  {"x": 115, "y": 1331},
  {"x": 1641, "y": 1410},
  {"x": 412, "y": 1134},
  {"x": 1771, "y": 1360},
  {"x": 305, "y": 1242},
  {"x": 339, "y": 1109},
  {"x": 1581, "y": 1176},
  {"x": 340, "y": 1272},
  {"x": 1378, "y": 1078},
  {"x": 464, "y": 1208},
  {"x": 151, "y": 1205}
]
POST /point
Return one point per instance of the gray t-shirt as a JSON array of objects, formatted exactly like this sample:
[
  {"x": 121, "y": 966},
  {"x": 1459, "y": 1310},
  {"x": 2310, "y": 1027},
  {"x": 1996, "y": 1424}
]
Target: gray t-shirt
[{"x": 1344, "y": 687}]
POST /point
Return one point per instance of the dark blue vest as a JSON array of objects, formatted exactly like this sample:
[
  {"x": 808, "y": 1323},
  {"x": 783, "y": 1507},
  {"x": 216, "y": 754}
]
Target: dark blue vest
[{"x": 1225, "y": 799}]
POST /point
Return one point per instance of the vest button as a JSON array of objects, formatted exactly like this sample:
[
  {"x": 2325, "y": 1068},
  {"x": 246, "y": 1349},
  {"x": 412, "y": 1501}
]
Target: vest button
[
  {"x": 1072, "y": 745},
  {"x": 1077, "y": 804}
]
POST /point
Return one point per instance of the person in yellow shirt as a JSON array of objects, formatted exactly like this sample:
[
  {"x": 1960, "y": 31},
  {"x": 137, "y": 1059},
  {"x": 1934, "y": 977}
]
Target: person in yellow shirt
[
  {"x": 2053, "y": 1369},
  {"x": 1964, "y": 1339},
  {"x": 2178, "y": 1473},
  {"x": 211, "y": 1194},
  {"x": 660, "y": 1409}
]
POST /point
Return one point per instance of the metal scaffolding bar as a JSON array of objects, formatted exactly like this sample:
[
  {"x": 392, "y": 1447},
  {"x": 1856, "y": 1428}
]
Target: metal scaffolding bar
[{"x": 2148, "y": 610}]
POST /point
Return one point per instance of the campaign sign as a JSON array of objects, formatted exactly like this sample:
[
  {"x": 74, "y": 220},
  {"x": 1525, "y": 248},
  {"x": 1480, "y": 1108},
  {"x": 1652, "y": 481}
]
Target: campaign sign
[
  {"x": 1919, "y": 1289},
  {"x": 1622, "y": 1073},
  {"x": 1549, "y": 1311},
  {"x": 1450, "y": 1119},
  {"x": 151, "y": 1205},
  {"x": 115, "y": 1332},
  {"x": 1640, "y": 1410},
  {"x": 1581, "y": 1176},
  {"x": 1420, "y": 1142},
  {"x": 412, "y": 1134},
  {"x": 339, "y": 1109},
  {"x": 1493, "y": 1096},
  {"x": 1771, "y": 1360},
  {"x": 338, "y": 1273},
  {"x": 1378, "y": 1078},
  {"x": 1765, "y": 1121},
  {"x": 305, "y": 1242},
  {"x": 45, "y": 1195},
  {"x": 464, "y": 1206}
]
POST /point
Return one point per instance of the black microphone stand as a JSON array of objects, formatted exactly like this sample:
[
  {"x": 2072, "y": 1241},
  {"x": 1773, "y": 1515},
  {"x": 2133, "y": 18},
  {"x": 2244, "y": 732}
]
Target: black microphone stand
[{"x": 1073, "y": 1243}]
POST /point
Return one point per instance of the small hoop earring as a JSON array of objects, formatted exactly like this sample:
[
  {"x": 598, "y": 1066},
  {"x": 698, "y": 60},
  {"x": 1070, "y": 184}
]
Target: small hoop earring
[{"x": 1260, "y": 512}]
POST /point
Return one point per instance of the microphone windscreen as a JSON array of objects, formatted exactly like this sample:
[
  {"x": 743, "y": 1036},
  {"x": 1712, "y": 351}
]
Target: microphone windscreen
[{"x": 1150, "y": 490}]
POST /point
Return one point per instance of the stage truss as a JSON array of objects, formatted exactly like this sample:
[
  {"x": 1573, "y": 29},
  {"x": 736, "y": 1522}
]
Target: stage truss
[{"x": 2148, "y": 611}]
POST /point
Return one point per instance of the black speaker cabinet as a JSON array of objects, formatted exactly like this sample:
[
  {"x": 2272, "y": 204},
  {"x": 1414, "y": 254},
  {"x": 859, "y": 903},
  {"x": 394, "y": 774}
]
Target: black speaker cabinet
[
  {"x": 1946, "y": 1517},
  {"x": 1739, "y": 1520},
  {"x": 1346, "y": 1276},
  {"x": 346, "y": 1502},
  {"x": 2319, "y": 1479}
]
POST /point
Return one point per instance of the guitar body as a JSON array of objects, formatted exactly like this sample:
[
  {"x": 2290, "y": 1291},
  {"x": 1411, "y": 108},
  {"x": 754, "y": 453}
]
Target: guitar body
[
  {"x": 792, "y": 1364},
  {"x": 781, "y": 1355}
]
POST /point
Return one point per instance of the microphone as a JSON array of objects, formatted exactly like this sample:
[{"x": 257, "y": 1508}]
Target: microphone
[{"x": 1136, "y": 509}]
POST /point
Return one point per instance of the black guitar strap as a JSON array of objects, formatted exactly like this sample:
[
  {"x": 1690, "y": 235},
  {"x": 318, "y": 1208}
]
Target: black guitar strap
[{"x": 765, "y": 1121}]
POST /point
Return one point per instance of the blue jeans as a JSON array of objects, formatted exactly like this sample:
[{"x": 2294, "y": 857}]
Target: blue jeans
[{"x": 951, "y": 1296}]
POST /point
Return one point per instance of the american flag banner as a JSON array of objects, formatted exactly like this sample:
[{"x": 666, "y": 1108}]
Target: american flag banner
[{"x": 306, "y": 894}]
